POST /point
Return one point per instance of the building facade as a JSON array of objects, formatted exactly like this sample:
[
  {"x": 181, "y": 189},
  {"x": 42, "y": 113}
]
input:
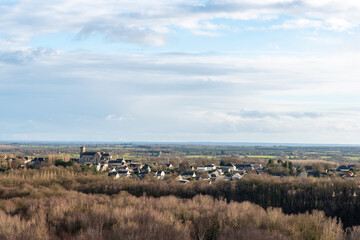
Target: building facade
[{"x": 93, "y": 157}]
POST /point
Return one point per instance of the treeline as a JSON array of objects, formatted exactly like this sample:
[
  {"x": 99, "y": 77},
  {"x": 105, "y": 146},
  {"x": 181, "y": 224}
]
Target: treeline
[
  {"x": 51, "y": 213},
  {"x": 336, "y": 197}
]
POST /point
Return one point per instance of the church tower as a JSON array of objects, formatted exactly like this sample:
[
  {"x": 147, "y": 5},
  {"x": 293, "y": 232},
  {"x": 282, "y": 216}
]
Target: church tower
[{"x": 82, "y": 150}]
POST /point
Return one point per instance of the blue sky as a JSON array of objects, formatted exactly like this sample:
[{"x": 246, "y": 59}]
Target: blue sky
[{"x": 181, "y": 70}]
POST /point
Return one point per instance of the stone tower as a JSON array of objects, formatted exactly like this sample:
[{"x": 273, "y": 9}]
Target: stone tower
[{"x": 82, "y": 150}]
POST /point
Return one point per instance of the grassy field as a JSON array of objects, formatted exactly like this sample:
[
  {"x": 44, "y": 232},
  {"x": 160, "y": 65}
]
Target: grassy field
[{"x": 353, "y": 158}]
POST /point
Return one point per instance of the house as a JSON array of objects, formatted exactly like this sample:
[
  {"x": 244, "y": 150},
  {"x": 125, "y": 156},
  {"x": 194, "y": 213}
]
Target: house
[
  {"x": 134, "y": 165},
  {"x": 102, "y": 167},
  {"x": 188, "y": 175},
  {"x": 124, "y": 173},
  {"x": 342, "y": 168},
  {"x": 217, "y": 175},
  {"x": 303, "y": 175},
  {"x": 202, "y": 169},
  {"x": 125, "y": 168},
  {"x": 117, "y": 163},
  {"x": 145, "y": 169},
  {"x": 246, "y": 167},
  {"x": 160, "y": 174},
  {"x": 218, "y": 172},
  {"x": 236, "y": 176},
  {"x": 229, "y": 167},
  {"x": 113, "y": 175},
  {"x": 211, "y": 167},
  {"x": 93, "y": 157}
]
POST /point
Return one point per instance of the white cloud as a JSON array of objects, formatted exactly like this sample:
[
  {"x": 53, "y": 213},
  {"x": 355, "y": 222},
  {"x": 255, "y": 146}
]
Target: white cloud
[
  {"x": 300, "y": 24},
  {"x": 113, "y": 117},
  {"x": 273, "y": 98},
  {"x": 149, "y": 23}
]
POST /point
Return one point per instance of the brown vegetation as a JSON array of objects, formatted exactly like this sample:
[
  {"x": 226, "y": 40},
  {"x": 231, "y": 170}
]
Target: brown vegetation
[
  {"x": 64, "y": 203},
  {"x": 122, "y": 216}
]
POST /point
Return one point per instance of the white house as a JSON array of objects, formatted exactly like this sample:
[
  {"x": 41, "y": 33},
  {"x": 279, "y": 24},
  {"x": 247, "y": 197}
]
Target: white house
[
  {"x": 160, "y": 174},
  {"x": 236, "y": 176},
  {"x": 211, "y": 167},
  {"x": 202, "y": 169}
]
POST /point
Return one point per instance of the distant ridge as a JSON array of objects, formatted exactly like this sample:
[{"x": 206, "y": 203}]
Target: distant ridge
[{"x": 184, "y": 143}]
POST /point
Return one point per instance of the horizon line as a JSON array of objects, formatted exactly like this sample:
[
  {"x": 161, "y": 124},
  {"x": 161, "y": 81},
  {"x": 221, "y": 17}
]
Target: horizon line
[{"x": 211, "y": 143}]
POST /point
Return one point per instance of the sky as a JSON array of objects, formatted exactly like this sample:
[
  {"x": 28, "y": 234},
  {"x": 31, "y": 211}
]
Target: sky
[{"x": 282, "y": 71}]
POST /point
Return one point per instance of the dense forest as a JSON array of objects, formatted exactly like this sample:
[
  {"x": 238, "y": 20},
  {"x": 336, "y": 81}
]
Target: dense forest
[{"x": 73, "y": 203}]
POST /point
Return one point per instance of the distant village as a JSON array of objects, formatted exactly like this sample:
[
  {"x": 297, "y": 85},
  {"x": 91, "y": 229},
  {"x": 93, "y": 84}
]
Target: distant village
[{"x": 122, "y": 168}]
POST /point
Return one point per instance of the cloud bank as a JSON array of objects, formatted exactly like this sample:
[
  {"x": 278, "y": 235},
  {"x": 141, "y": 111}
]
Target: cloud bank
[{"x": 181, "y": 70}]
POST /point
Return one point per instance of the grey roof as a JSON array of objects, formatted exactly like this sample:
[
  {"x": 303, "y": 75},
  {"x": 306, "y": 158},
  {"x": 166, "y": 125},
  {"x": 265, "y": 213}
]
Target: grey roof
[
  {"x": 244, "y": 165},
  {"x": 187, "y": 174},
  {"x": 89, "y": 153},
  {"x": 116, "y": 161},
  {"x": 229, "y": 165}
]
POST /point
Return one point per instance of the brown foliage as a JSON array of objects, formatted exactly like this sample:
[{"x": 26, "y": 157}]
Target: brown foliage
[{"x": 56, "y": 203}]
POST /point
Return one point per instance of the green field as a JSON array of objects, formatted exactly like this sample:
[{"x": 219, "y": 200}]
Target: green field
[{"x": 353, "y": 158}]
